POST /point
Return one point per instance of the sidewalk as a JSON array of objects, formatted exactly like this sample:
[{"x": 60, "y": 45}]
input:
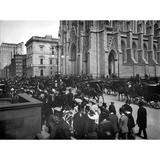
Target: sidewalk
[{"x": 153, "y": 117}]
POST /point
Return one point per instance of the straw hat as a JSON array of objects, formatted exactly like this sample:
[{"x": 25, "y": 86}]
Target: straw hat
[
  {"x": 57, "y": 110},
  {"x": 93, "y": 115},
  {"x": 78, "y": 100},
  {"x": 93, "y": 100}
]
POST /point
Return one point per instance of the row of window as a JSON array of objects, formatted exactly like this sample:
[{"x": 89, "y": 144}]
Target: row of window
[
  {"x": 29, "y": 48},
  {"x": 52, "y": 48},
  {"x": 41, "y": 47},
  {"x": 135, "y": 26},
  {"x": 50, "y": 61},
  {"x": 42, "y": 72},
  {"x": 135, "y": 53}
]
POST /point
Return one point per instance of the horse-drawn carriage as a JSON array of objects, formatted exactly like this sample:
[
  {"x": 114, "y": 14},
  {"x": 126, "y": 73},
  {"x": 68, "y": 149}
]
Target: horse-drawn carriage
[
  {"x": 116, "y": 87},
  {"x": 92, "y": 88},
  {"x": 151, "y": 94},
  {"x": 148, "y": 91}
]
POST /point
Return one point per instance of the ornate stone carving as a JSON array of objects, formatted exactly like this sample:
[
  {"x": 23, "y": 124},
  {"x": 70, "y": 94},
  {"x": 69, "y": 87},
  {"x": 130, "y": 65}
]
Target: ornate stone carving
[
  {"x": 73, "y": 34},
  {"x": 105, "y": 42},
  {"x": 85, "y": 48},
  {"x": 111, "y": 43}
]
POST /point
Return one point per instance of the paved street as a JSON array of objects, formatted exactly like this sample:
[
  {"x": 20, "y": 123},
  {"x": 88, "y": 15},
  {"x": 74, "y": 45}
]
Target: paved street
[
  {"x": 106, "y": 55},
  {"x": 153, "y": 117}
]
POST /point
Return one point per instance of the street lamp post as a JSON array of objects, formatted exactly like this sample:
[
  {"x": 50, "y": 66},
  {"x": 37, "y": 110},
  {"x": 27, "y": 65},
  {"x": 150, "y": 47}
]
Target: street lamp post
[
  {"x": 62, "y": 64},
  {"x": 57, "y": 57}
]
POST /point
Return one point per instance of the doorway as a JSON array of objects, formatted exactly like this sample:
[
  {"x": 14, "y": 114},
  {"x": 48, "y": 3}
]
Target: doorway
[{"x": 111, "y": 63}]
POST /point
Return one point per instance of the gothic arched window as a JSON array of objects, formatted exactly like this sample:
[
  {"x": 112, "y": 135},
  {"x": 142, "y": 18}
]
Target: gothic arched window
[
  {"x": 114, "y": 23},
  {"x": 155, "y": 52},
  {"x": 124, "y": 55},
  {"x": 139, "y": 27},
  {"x": 41, "y": 72},
  {"x": 73, "y": 53},
  {"x": 128, "y": 25},
  {"x": 145, "y": 51},
  {"x": 107, "y": 23},
  {"x": 158, "y": 57},
  {"x": 147, "y": 28},
  {"x": 155, "y": 29},
  {"x": 135, "y": 54}
]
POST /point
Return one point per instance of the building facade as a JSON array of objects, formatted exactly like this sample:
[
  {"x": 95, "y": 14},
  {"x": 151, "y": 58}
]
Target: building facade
[
  {"x": 24, "y": 63},
  {"x": 42, "y": 56},
  {"x": 107, "y": 48},
  {"x": 17, "y": 66},
  {"x": 7, "y": 52},
  {"x": 5, "y": 72}
]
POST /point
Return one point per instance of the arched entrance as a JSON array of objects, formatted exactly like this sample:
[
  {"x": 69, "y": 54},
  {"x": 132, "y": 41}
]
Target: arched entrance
[
  {"x": 112, "y": 63},
  {"x": 73, "y": 59}
]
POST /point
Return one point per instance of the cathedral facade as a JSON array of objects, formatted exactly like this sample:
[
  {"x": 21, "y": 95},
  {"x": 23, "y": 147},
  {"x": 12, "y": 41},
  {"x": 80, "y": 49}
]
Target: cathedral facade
[{"x": 107, "y": 48}]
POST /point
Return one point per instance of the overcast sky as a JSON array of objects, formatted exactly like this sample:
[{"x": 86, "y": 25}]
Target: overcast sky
[{"x": 21, "y": 31}]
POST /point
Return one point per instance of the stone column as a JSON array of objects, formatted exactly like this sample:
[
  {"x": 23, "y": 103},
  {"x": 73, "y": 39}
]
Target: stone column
[
  {"x": 66, "y": 50},
  {"x": 81, "y": 52},
  {"x": 158, "y": 39},
  {"x": 118, "y": 38},
  {"x": 150, "y": 46},
  {"x": 105, "y": 40},
  {"x": 130, "y": 57},
  {"x": 59, "y": 58},
  {"x": 93, "y": 64},
  {"x": 98, "y": 53},
  {"x": 106, "y": 49},
  {"x": 141, "y": 59},
  {"x": 150, "y": 38},
  {"x": 77, "y": 51},
  {"x": 129, "y": 38},
  {"x": 83, "y": 67},
  {"x": 151, "y": 58},
  {"x": 158, "y": 52},
  {"x": 140, "y": 40},
  {"x": 135, "y": 26}
]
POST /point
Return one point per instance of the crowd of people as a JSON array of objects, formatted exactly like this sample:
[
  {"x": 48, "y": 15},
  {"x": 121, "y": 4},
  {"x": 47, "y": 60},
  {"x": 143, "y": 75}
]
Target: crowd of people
[{"x": 69, "y": 113}]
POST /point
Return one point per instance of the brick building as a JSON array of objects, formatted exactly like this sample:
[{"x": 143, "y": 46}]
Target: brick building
[
  {"x": 7, "y": 52},
  {"x": 5, "y": 72},
  {"x": 18, "y": 66},
  {"x": 101, "y": 48}
]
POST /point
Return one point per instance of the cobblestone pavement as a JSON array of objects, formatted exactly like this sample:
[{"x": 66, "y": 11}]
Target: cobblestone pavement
[{"x": 153, "y": 117}]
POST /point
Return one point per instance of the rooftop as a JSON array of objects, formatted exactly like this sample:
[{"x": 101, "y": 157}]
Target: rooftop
[
  {"x": 47, "y": 38},
  {"x": 11, "y": 44}
]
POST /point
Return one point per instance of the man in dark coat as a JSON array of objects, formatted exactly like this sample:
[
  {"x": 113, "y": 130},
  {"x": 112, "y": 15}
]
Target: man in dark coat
[
  {"x": 131, "y": 125},
  {"x": 91, "y": 126},
  {"x": 105, "y": 128},
  {"x": 70, "y": 98},
  {"x": 142, "y": 120},
  {"x": 114, "y": 120},
  {"x": 58, "y": 128},
  {"x": 79, "y": 124},
  {"x": 112, "y": 108},
  {"x": 127, "y": 107}
]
